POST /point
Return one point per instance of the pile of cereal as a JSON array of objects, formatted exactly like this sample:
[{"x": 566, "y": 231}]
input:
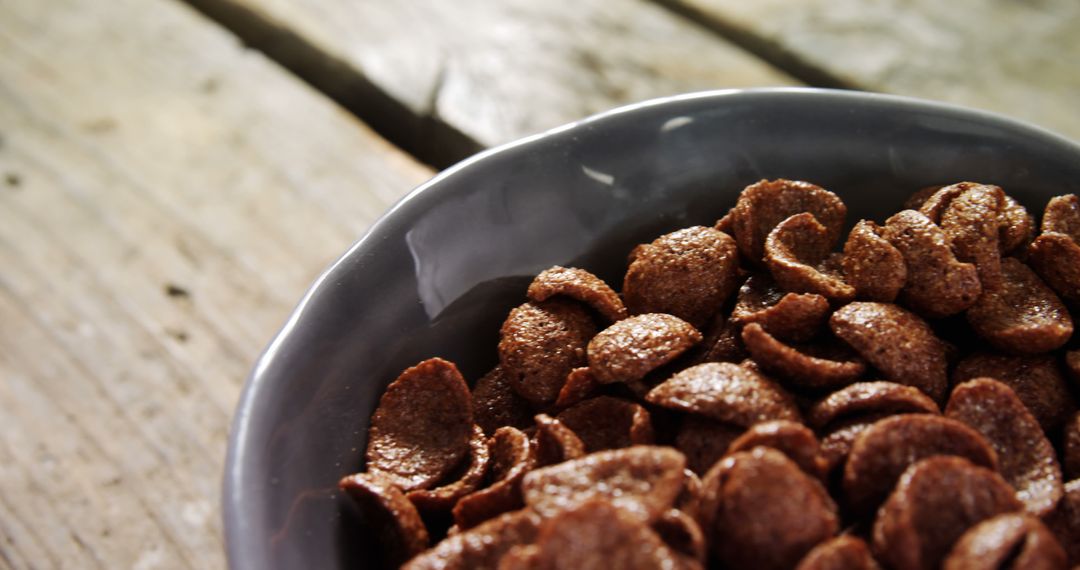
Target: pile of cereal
[{"x": 755, "y": 399}]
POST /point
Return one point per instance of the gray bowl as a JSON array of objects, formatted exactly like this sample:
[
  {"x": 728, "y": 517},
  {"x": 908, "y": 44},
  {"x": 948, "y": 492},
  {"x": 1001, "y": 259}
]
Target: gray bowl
[{"x": 437, "y": 274}]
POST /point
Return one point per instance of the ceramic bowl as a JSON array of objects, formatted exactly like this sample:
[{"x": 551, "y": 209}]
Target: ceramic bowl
[{"x": 438, "y": 273}]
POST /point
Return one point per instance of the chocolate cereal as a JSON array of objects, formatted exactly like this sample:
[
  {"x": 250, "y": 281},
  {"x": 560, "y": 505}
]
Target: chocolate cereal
[
  {"x": 872, "y": 265},
  {"x": 605, "y": 422},
  {"x": 421, "y": 429},
  {"x": 541, "y": 343},
  {"x": 1056, "y": 258},
  {"x": 934, "y": 503},
  {"x": 971, "y": 224},
  {"x": 631, "y": 348},
  {"x": 580, "y": 384},
  {"x": 496, "y": 404},
  {"x": 766, "y": 512},
  {"x": 1020, "y": 314},
  {"x": 725, "y": 392},
  {"x": 1071, "y": 453},
  {"x": 790, "y": 316},
  {"x": 938, "y": 284},
  {"x": 795, "y": 253},
  {"x": 641, "y": 480},
  {"x": 896, "y": 342},
  {"x": 580, "y": 285},
  {"x": 596, "y": 535},
  {"x": 688, "y": 273},
  {"x": 844, "y": 552},
  {"x": 813, "y": 367},
  {"x": 866, "y": 398},
  {"x": 1017, "y": 227},
  {"x": 1025, "y": 456},
  {"x": 887, "y": 448},
  {"x": 1065, "y": 521},
  {"x": 763, "y": 205},
  {"x": 819, "y": 447},
  {"x": 790, "y": 438},
  {"x": 481, "y": 547},
  {"x": 555, "y": 442},
  {"x": 1036, "y": 380},
  {"x": 704, "y": 441},
  {"x": 1007, "y": 541},
  {"x": 512, "y": 456},
  {"x": 681, "y": 533},
  {"x": 401, "y": 533},
  {"x": 444, "y": 497}
]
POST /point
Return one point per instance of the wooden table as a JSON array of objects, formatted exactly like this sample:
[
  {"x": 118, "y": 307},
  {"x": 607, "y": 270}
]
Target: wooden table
[{"x": 172, "y": 176}]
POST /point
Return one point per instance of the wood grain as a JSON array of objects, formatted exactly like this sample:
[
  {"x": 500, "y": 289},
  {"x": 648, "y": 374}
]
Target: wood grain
[
  {"x": 493, "y": 70},
  {"x": 165, "y": 197},
  {"x": 1017, "y": 58}
]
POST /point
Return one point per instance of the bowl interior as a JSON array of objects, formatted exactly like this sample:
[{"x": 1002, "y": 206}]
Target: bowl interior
[{"x": 436, "y": 276}]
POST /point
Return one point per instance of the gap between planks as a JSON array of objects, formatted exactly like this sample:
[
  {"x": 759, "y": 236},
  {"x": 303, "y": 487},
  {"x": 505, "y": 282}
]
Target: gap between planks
[
  {"x": 428, "y": 139},
  {"x": 422, "y": 132}
]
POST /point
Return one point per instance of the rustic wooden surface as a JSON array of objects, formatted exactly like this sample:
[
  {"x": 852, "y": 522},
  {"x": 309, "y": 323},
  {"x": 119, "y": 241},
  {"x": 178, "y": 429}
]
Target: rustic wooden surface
[
  {"x": 166, "y": 193},
  {"x": 165, "y": 198},
  {"x": 1017, "y": 58},
  {"x": 498, "y": 70}
]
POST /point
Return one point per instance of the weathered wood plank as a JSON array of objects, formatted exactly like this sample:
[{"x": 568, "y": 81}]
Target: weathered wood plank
[
  {"x": 493, "y": 70},
  {"x": 165, "y": 197},
  {"x": 1017, "y": 58}
]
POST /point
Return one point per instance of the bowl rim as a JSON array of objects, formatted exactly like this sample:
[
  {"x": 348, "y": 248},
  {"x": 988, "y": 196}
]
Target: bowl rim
[{"x": 236, "y": 459}]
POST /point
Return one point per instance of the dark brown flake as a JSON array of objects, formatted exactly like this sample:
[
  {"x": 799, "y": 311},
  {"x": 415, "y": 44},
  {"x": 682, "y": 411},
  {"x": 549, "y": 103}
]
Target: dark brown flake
[
  {"x": 580, "y": 384},
  {"x": 795, "y": 251},
  {"x": 1065, "y": 521},
  {"x": 1007, "y": 542},
  {"x": 971, "y": 223},
  {"x": 595, "y": 535},
  {"x": 793, "y": 317},
  {"x": 631, "y": 348},
  {"x": 844, "y": 552},
  {"x": 1037, "y": 381},
  {"x": 1017, "y": 227},
  {"x": 540, "y": 343},
  {"x": 704, "y": 441},
  {"x": 864, "y": 398},
  {"x": 496, "y": 404},
  {"x": 812, "y": 367},
  {"x": 1025, "y": 456},
  {"x": 606, "y": 422},
  {"x": 725, "y": 392},
  {"x": 481, "y": 547},
  {"x": 882, "y": 452},
  {"x": 762, "y": 511},
  {"x": 794, "y": 440},
  {"x": 681, "y": 533},
  {"x": 688, "y": 273},
  {"x": 642, "y": 480},
  {"x": 896, "y": 342},
  {"x": 555, "y": 442},
  {"x": 395, "y": 521},
  {"x": 512, "y": 456},
  {"x": 1021, "y": 314},
  {"x": 1062, "y": 215},
  {"x": 872, "y": 265},
  {"x": 938, "y": 285},
  {"x": 1056, "y": 258},
  {"x": 580, "y": 285},
  {"x": 934, "y": 503},
  {"x": 1071, "y": 451},
  {"x": 420, "y": 431},
  {"x": 472, "y": 474},
  {"x": 763, "y": 205}
]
